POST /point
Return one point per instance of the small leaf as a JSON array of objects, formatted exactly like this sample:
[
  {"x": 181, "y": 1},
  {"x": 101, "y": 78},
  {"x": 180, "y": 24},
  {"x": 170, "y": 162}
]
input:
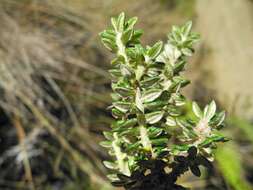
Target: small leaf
[
  {"x": 187, "y": 28},
  {"x": 122, "y": 106},
  {"x": 120, "y": 22},
  {"x": 220, "y": 118},
  {"x": 124, "y": 92},
  {"x": 108, "y": 44},
  {"x": 108, "y": 35},
  {"x": 196, "y": 110},
  {"x": 106, "y": 144},
  {"x": 114, "y": 23},
  {"x": 126, "y": 123},
  {"x": 176, "y": 33},
  {"x": 154, "y": 132},
  {"x": 180, "y": 148},
  {"x": 115, "y": 73},
  {"x": 138, "y": 100},
  {"x": 154, "y": 51},
  {"x": 117, "y": 113},
  {"x": 149, "y": 81},
  {"x": 110, "y": 165},
  {"x": 217, "y": 120},
  {"x": 155, "y": 105},
  {"x": 118, "y": 60},
  {"x": 186, "y": 51},
  {"x": 210, "y": 111},
  {"x": 151, "y": 95},
  {"x": 133, "y": 146},
  {"x": 179, "y": 66},
  {"x": 131, "y": 22},
  {"x": 154, "y": 117},
  {"x": 170, "y": 121},
  {"x": 108, "y": 135},
  {"x": 136, "y": 36},
  {"x": 127, "y": 35},
  {"x": 113, "y": 177},
  {"x": 139, "y": 72},
  {"x": 179, "y": 80},
  {"x": 159, "y": 142},
  {"x": 125, "y": 70}
]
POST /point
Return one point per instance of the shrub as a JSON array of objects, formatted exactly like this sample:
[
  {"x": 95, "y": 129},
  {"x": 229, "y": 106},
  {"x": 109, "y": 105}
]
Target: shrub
[{"x": 152, "y": 140}]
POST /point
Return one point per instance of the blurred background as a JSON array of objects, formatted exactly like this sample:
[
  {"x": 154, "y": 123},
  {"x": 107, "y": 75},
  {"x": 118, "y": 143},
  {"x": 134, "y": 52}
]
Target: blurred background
[{"x": 54, "y": 87}]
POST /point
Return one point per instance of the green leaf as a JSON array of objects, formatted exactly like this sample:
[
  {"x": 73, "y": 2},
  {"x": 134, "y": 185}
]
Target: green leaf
[
  {"x": 173, "y": 111},
  {"x": 127, "y": 35},
  {"x": 122, "y": 106},
  {"x": 108, "y": 135},
  {"x": 218, "y": 119},
  {"x": 151, "y": 95},
  {"x": 106, "y": 144},
  {"x": 117, "y": 113},
  {"x": 155, "y": 105},
  {"x": 231, "y": 166},
  {"x": 147, "y": 82},
  {"x": 154, "y": 117},
  {"x": 131, "y": 22},
  {"x": 213, "y": 139},
  {"x": 120, "y": 22},
  {"x": 115, "y": 73},
  {"x": 113, "y": 177},
  {"x": 107, "y": 35},
  {"x": 110, "y": 165},
  {"x": 179, "y": 66},
  {"x": 210, "y": 110},
  {"x": 139, "y": 72},
  {"x": 187, "y": 28},
  {"x": 186, "y": 51},
  {"x": 125, "y": 70},
  {"x": 118, "y": 60},
  {"x": 133, "y": 146},
  {"x": 154, "y": 132},
  {"x": 124, "y": 92},
  {"x": 170, "y": 121},
  {"x": 179, "y": 80},
  {"x": 159, "y": 142},
  {"x": 114, "y": 23},
  {"x": 180, "y": 148},
  {"x": 154, "y": 51},
  {"x": 196, "y": 110},
  {"x": 138, "y": 100},
  {"x": 108, "y": 44},
  {"x": 126, "y": 123},
  {"x": 136, "y": 36},
  {"x": 176, "y": 33}
]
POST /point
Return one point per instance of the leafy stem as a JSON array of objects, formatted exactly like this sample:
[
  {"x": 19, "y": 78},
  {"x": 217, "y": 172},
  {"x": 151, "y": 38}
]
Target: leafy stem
[{"x": 151, "y": 132}]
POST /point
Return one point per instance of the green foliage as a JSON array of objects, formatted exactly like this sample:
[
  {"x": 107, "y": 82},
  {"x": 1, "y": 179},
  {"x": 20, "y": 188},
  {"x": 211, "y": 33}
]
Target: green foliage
[
  {"x": 150, "y": 131},
  {"x": 229, "y": 163}
]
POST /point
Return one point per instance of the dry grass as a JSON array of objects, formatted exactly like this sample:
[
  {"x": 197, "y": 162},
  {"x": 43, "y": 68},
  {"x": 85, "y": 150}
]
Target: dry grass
[{"x": 55, "y": 88}]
